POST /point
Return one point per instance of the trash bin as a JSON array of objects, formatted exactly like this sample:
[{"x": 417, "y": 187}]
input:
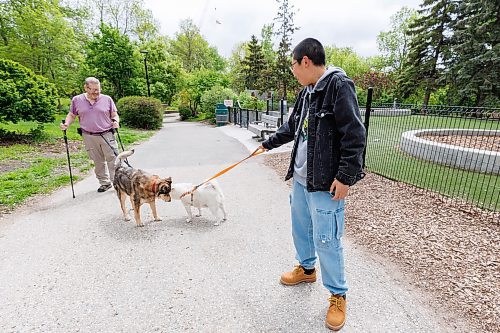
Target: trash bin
[{"x": 221, "y": 115}]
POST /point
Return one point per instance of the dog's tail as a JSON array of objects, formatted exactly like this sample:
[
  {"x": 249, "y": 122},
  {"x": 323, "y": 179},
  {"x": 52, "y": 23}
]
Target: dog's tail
[
  {"x": 123, "y": 156},
  {"x": 217, "y": 187}
]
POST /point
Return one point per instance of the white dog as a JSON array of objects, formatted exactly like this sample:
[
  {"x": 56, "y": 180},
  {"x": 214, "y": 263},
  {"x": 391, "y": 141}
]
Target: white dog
[{"x": 208, "y": 195}]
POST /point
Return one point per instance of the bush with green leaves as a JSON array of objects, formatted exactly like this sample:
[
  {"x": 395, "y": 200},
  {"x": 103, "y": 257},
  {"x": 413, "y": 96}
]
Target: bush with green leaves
[
  {"x": 140, "y": 112},
  {"x": 216, "y": 94},
  {"x": 185, "y": 112},
  {"x": 25, "y": 95},
  {"x": 248, "y": 101}
]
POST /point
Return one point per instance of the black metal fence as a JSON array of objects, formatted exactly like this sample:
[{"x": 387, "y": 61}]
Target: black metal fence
[
  {"x": 243, "y": 117},
  {"x": 451, "y": 150}
]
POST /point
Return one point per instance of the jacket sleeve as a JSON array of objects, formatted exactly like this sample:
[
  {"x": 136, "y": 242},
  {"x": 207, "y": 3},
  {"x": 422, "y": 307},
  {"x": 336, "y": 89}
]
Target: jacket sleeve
[
  {"x": 352, "y": 134},
  {"x": 286, "y": 132}
]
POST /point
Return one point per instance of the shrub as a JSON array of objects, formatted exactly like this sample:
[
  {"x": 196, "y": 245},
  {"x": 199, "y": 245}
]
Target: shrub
[
  {"x": 24, "y": 95},
  {"x": 248, "y": 101},
  {"x": 185, "y": 112},
  {"x": 140, "y": 112},
  {"x": 216, "y": 94}
]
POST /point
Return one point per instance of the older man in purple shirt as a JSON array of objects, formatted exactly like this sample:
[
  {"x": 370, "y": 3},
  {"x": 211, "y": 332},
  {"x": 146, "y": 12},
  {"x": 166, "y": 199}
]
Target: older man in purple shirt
[{"x": 98, "y": 116}]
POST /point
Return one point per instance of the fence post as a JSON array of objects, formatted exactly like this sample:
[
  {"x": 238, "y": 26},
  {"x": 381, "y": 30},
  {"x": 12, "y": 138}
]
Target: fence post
[
  {"x": 367, "y": 120},
  {"x": 283, "y": 105},
  {"x": 241, "y": 114},
  {"x": 248, "y": 117}
]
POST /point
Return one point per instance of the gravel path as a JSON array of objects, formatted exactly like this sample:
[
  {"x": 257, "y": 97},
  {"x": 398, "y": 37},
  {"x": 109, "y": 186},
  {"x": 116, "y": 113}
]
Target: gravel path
[{"x": 450, "y": 250}]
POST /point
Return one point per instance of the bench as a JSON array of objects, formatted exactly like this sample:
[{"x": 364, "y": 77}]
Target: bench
[{"x": 267, "y": 125}]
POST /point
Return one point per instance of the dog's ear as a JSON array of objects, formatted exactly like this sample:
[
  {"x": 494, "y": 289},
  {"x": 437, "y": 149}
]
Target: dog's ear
[{"x": 169, "y": 179}]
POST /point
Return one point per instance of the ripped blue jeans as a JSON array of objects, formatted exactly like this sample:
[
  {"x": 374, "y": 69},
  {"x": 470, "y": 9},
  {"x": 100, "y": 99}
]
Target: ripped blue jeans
[{"x": 317, "y": 228}]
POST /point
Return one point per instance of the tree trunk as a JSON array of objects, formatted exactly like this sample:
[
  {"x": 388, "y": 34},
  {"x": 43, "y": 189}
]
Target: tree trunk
[{"x": 427, "y": 96}]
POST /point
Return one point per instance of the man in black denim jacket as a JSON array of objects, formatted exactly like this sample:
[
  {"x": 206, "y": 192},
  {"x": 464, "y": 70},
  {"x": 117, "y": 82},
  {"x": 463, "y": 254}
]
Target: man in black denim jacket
[{"x": 329, "y": 139}]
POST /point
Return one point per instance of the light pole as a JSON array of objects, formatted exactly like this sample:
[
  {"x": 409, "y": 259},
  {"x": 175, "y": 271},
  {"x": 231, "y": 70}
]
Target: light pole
[{"x": 146, "y": 68}]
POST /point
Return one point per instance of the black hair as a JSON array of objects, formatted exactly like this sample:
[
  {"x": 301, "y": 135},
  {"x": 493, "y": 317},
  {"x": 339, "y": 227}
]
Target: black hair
[{"x": 311, "y": 48}]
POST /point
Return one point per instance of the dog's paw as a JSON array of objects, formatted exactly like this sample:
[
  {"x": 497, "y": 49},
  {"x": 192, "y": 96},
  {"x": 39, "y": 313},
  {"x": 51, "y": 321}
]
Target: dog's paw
[
  {"x": 157, "y": 218},
  {"x": 188, "y": 220},
  {"x": 140, "y": 224},
  {"x": 198, "y": 215},
  {"x": 217, "y": 223},
  {"x": 127, "y": 218}
]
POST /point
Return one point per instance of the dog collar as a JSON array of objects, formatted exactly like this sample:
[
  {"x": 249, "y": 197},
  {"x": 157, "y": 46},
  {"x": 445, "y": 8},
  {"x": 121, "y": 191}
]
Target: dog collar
[{"x": 154, "y": 186}]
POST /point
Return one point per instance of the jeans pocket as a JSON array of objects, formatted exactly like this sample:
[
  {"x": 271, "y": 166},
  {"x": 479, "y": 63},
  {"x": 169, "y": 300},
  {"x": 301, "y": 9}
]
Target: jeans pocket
[
  {"x": 324, "y": 228},
  {"x": 340, "y": 223}
]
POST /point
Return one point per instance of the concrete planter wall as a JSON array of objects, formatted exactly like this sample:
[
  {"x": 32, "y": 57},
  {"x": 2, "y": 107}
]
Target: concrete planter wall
[
  {"x": 464, "y": 158},
  {"x": 387, "y": 112}
]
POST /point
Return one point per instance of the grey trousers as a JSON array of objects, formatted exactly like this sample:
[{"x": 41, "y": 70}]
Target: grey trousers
[{"x": 102, "y": 155}]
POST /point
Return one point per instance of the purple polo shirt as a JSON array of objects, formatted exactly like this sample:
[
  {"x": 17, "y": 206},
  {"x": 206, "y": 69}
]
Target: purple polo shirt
[{"x": 93, "y": 117}]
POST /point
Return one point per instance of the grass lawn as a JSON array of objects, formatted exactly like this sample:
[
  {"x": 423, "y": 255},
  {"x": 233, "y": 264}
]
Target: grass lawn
[
  {"x": 35, "y": 162},
  {"x": 384, "y": 157}
]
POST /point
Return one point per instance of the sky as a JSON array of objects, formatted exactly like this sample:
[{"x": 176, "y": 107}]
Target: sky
[{"x": 226, "y": 23}]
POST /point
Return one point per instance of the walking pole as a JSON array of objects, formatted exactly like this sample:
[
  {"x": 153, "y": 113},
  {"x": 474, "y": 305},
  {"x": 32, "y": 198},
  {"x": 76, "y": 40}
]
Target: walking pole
[
  {"x": 119, "y": 138},
  {"x": 69, "y": 161}
]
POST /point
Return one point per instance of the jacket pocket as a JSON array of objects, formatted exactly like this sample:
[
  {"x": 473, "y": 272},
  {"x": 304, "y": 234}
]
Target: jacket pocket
[{"x": 324, "y": 113}]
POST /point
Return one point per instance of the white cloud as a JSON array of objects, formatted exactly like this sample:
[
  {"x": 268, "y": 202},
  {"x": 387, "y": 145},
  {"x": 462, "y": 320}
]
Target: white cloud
[{"x": 353, "y": 23}]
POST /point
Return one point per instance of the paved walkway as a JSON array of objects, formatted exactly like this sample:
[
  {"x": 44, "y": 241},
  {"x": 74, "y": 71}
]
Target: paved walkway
[{"x": 69, "y": 265}]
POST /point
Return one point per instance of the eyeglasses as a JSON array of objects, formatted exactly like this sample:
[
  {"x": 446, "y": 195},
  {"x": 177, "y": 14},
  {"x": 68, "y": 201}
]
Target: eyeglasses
[
  {"x": 293, "y": 64},
  {"x": 93, "y": 90}
]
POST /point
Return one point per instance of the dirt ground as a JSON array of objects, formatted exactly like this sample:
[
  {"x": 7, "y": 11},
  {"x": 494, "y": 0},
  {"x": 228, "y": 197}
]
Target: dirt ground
[
  {"x": 444, "y": 246},
  {"x": 469, "y": 141}
]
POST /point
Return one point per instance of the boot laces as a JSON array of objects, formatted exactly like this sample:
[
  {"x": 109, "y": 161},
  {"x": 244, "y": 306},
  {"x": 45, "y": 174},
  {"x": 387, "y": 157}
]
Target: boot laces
[
  {"x": 335, "y": 301},
  {"x": 298, "y": 269}
]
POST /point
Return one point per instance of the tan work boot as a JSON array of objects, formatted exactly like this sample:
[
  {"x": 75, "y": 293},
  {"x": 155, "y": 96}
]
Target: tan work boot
[
  {"x": 296, "y": 276},
  {"x": 335, "y": 317}
]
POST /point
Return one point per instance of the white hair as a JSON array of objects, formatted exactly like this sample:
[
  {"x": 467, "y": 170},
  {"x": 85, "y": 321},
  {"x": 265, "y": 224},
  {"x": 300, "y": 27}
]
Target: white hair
[{"x": 92, "y": 80}]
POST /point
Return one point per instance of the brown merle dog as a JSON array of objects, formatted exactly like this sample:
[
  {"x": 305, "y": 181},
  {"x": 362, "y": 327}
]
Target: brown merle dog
[{"x": 140, "y": 186}]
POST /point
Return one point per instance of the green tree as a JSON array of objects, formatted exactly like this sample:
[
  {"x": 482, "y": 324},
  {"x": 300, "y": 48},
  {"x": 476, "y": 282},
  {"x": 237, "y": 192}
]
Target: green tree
[
  {"x": 129, "y": 17},
  {"x": 382, "y": 83},
  {"x": 25, "y": 95},
  {"x": 285, "y": 31},
  {"x": 346, "y": 59},
  {"x": 266, "y": 35},
  {"x": 197, "y": 83},
  {"x": 253, "y": 64},
  {"x": 474, "y": 65},
  {"x": 110, "y": 56},
  {"x": 235, "y": 65},
  {"x": 394, "y": 44},
  {"x": 430, "y": 45},
  {"x": 268, "y": 79},
  {"x": 39, "y": 34},
  {"x": 193, "y": 51},
  {"x": 164, "y": 73}
]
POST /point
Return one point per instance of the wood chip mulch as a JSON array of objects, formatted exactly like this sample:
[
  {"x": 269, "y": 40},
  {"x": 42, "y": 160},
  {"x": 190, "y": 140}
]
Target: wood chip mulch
[
  {"x": 485, "y": 142},
  {"x": 445, "y": 247}
]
